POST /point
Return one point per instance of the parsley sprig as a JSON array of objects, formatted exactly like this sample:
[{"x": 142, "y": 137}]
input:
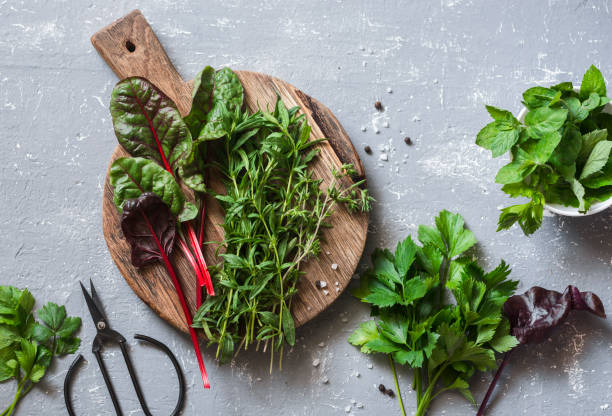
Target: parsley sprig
[
  {"x": 27, "y": 347},
  {"x": 445, "y": 342},
  {"x": 561, "y": 154}
]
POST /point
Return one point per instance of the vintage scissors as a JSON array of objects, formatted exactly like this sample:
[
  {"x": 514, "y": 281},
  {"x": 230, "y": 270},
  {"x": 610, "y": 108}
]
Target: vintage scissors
[{"x": 106, "y": 335}]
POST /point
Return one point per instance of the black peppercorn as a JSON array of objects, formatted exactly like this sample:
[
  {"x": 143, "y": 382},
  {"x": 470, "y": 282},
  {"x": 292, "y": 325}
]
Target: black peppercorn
[{"x": 382, "y": 388}]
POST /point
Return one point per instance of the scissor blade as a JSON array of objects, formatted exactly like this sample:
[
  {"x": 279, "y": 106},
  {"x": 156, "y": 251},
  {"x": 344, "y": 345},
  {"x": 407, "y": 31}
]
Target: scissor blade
[
  {"x": 96, "y": 315},
  {"x": 97, "y": 301}
]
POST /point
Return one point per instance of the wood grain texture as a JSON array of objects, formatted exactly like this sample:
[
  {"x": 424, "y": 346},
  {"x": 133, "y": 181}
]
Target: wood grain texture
[{"x": 342, "y": 245}]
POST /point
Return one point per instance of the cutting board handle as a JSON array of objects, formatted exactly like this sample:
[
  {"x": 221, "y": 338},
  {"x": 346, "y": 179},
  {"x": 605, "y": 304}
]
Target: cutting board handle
[{"x": 129, "y": 46}]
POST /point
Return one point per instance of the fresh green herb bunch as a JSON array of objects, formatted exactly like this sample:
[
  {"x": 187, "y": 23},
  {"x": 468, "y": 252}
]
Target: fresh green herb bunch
[
  {"x": 444, "y": 342},
  {"x": 27, "y": 346},
  {"x": 560, "y": 154},
  {"x": 274, "y": 213}
]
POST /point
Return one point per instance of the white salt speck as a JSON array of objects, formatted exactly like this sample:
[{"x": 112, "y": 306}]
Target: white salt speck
[
  {"x": 328, "y": 253},
  {"x": 435, "y": 81},
  {"x": 359, "y": 405},
  {"x": 364, "y": 63},
  {"x": 334, "y": 266},
  {"x": 323, "y": 284},
  {"x": 371, "y": 51},
  {"x": 357, "y": 374},
  {"x": 316, "y": 362},
  {"x": 361, "y": 48},
  {"x": 321, "y": 344},
  {"x": 376, "y": 130},
  {"x": 380, "y": 165},
  {"x": 384, "y": 157},
  {"x": 258, "y": 379},
  {"x": 325, "y": 292},
  {"x": 416, "y": 118},
  {"x": 370, "y": 366},
  {"x": 344, "y": 320},
  {"x": 325, "y": 380},
  {"x": 386, "y": 124},
  {"x": 337, "y": 284},
  {"x": 604, "y": 406},
  {"x": 308, "y": 308},
  {"x": 347, "y": 409},
  {"x": 337, "y": 289},
  {"x": 364, "y": 128},
  {"x": 389, "y": 90}
]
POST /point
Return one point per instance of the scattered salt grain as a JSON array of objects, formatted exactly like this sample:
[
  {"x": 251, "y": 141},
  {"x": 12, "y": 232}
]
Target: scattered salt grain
[
  {"x": 344, "y": 320},
  {"x": 604, "y": 406},
  {"x": 308, "y": 308},
  {"x": 337, "y": 289},
  {"x": 325, "y": 380},
  {"x": 321, "y": 344},
  {"x": 359, "y": 405},
  {"x": 321, "y": 284},
  {"x": 334, "y": 266},
  {"x": 325, "y": 292},
  {"x": 357, "y": 374},
  {"x": 370, "y": 366},
  {"x": 361, "y": 48},
  {"x": 384, "y": 157},
  {"x": 376, "y": 130},
  {"x": 328, "y": 253},
  {"x": 386, "y": 124},
  {"x": 316, "y": 362},
  {"x": 389, "y": 90},
  {"x": 364, "y": 128},
  {"x": 347, "y": 409}
]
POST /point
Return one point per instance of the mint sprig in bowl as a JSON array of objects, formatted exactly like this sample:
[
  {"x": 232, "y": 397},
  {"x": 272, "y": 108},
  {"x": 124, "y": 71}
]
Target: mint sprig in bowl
[{"x": 560, "y": 149}]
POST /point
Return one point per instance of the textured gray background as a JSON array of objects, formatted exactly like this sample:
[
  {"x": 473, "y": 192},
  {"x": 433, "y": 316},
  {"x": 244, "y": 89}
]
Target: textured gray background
[{"x": 443, "y": 61}]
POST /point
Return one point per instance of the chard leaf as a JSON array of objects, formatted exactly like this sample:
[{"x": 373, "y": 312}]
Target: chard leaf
[
  {"x": 534, "y": 313},
  {"x": 227, "y": 99},
  {"x": 149, "y": 228},
  {"x": 201, "y": 100},
  {"x": 592, "y": 81},
  {"x": 132, "y": 176},
  {"x": 148, "y": 124}
]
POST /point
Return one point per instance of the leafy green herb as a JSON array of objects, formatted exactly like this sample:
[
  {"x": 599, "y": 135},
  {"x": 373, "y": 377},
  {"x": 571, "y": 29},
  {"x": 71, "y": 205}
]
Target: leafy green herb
[
  {"x": 274, "y": 213},
  {"x": 560, "y": 155},
  {"x": 444, "y": 342},
  {"x": 27, "y": 346}
]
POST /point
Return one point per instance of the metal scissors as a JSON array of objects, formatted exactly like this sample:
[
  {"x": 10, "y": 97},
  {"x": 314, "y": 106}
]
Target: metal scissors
[{"x": 106, "y": 335}]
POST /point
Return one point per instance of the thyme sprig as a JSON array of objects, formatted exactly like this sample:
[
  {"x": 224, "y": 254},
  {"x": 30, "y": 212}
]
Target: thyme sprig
[{"x": 275, "y": 211}]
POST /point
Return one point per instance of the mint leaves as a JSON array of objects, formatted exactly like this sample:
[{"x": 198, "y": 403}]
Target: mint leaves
[
  {"x": 561, "y": 154},
  {"x": 444, "y": 341},
  {"x": 27, "y": 346}
]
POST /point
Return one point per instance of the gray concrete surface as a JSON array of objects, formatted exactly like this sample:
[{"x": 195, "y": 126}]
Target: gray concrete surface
[{"x": 443, "y": 60}]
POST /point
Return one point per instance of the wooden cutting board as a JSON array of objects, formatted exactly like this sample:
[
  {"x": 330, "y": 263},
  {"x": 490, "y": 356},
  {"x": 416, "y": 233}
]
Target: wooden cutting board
[{"x": 130, "y": 48}]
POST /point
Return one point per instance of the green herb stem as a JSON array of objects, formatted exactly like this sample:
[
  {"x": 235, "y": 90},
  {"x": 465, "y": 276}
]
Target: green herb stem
[{"x": 397, "y": 387}]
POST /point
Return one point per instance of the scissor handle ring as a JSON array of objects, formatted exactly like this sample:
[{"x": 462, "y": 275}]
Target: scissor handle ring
[
  {"x": 177, "y": 367},
  {"x": 181, "y": 378}
]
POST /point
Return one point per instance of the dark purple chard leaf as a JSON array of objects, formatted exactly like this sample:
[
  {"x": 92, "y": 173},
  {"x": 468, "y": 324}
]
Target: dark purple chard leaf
[
  {"x": 148, "y": 124},
  {"x": 147, "y": 224},
  {"x": 534, "y": 313}
]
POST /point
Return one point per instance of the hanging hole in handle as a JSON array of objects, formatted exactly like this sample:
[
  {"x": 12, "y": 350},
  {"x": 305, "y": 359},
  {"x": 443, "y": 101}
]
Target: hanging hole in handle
[{"x": 130, "y": 46}]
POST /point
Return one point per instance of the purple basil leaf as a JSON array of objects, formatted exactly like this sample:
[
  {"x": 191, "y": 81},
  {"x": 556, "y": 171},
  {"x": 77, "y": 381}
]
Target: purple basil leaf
[
  {"x": 534, "y": 313},
  {"x": 147, "y": 224}
]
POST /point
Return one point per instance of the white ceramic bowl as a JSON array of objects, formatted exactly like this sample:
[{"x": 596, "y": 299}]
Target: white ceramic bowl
[{"x": 597, "y": 207}]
